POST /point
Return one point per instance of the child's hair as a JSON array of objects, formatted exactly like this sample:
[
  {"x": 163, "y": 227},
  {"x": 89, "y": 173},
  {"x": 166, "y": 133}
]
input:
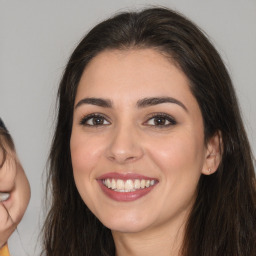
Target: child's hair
[{"x": 5, "y": 142}]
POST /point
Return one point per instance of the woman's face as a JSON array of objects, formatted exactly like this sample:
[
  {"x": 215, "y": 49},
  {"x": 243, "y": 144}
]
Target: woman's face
[{"x": 137, "y": 142}]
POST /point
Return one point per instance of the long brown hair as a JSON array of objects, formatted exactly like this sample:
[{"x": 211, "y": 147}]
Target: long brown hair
[{"x": 223, "y": 219}]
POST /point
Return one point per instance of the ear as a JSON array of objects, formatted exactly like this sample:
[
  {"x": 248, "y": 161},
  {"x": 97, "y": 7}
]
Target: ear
[{"x": 213, "y": 154}]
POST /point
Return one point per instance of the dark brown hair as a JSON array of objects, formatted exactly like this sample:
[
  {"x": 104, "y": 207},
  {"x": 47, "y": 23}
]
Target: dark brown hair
[
  {"x": 5, "y": 141},
  {"x": 223, "y": 219}
]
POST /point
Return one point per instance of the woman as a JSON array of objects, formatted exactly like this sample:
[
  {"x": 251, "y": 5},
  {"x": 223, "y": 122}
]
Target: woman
[
  {"x": 14, "y": 189},
  {"x": 150, "y": 154}
]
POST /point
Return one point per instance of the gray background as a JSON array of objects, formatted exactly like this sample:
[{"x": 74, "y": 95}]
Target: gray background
[{"x": 37, "y": 38}]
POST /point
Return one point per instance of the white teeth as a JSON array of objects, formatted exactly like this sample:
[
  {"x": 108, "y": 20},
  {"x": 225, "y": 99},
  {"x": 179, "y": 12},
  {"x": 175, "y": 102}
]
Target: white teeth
[
  {"x": 128, "y": 185},
  {"x": 120, "y": 184},
  {"x": 108, "y": 183},
  {"x": 137, "y": 184},
  {"x": 113, "y": 185},
  {"x": 142, "y": 183}
]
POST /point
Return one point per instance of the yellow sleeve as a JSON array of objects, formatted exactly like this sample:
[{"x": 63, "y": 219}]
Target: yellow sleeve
[{"x": 4, "y": 251}]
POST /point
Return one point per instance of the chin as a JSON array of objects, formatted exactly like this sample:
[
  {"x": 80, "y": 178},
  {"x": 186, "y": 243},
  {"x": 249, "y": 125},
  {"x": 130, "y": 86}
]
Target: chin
[
  {"x": 126, "y": 228},
  {"x": 126, "y": 224}
]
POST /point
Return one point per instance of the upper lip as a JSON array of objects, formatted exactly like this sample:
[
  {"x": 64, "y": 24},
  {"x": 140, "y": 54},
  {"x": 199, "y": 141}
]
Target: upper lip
[{"x": 124, "y": 176}]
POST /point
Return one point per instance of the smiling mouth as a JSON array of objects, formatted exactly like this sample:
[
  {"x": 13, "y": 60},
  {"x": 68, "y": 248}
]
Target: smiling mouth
[
  {"x": 130, "y": 185},
  {"x": 126, "y": 187}
]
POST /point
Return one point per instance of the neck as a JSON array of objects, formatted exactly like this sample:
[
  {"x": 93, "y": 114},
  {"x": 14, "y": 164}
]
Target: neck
[{"x": 165, "y": 240}]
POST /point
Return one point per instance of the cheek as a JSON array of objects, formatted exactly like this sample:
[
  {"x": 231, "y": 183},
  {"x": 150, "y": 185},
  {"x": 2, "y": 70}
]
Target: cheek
[
  {"x": 85, "y": 153},
  {"x": 181, "y": 154},
  {"x": 179, "y": 159},
  {"x": 84, "y": 157}
]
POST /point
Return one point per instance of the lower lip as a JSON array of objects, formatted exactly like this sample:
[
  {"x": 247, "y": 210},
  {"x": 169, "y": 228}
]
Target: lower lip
[{"x": 125, "y": 196}]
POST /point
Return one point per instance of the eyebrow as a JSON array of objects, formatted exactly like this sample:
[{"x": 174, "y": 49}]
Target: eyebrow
[
  {"x": 95, "y": 101},
  {"x": 146, "y": 102}
]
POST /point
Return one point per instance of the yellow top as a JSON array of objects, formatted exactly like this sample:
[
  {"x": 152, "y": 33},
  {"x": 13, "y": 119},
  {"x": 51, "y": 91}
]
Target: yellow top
[{"x": 4, "y": 251}]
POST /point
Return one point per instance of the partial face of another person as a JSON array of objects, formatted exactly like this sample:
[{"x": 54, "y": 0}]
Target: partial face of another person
[
  {"x": 14, "y": 183},
  {"x": 137, "y": 142}
]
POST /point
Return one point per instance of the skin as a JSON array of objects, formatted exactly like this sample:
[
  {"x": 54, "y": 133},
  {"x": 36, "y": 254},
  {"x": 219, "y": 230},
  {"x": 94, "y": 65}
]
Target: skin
[
  {"x": 14, "y": 181},
  {"x": 129, "y": 141}
]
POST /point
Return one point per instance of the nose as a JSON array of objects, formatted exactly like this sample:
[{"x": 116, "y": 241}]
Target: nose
[{"x": 124, "y": 146}]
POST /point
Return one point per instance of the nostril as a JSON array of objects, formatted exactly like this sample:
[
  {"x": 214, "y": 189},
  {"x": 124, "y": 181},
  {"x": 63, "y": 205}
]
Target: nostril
[
  {"x": 124, "y": 158},
  {"x": 130, "y": 158},
  {"x": 124, "y": 147}
]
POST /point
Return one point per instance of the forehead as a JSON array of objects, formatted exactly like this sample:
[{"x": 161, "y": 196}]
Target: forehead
[{"x": 132, "y": 73}]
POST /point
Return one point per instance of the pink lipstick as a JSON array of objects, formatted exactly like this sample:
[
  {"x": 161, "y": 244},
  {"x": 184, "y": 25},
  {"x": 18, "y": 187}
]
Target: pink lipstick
[{"x": 126, "y": 187}]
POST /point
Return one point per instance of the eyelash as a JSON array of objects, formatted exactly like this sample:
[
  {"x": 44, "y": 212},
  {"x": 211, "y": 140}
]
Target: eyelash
[
  {"x": 163, "y": 116},
  {"x": 84, "y": 120},
  {"x": 171, "y": 121}
]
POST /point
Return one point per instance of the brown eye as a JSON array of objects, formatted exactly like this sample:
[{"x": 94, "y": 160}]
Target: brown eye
[
  {"x": 161, "y": 120},
  {"x": 97, "y": 120},
  {"x": 94, "y": 120}
]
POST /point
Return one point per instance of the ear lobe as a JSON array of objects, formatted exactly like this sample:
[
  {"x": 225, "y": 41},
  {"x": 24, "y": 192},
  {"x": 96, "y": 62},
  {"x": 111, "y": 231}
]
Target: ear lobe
[{"x": 213, "y": 154}]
